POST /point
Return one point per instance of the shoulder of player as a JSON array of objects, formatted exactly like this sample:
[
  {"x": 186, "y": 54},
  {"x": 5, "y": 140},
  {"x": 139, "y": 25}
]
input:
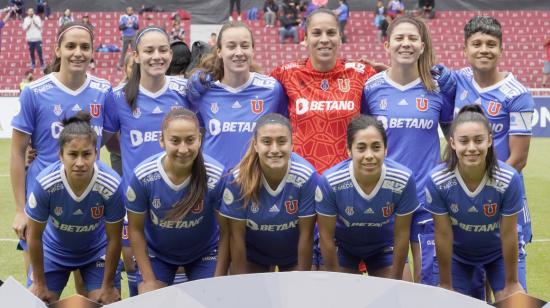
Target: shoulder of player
[
  {"x": 397, "y": 172},
  {"x": 512, "y": 88},
  {"x": 50, "y": 176},
  {"x": 440, "y": 174},
  {"x": 466, "y": 72},
  {"x": 292, "y": 66},
  {"x": 214, "y": 169},
  {"x": 176, "y": 83},
  {"x": 300, "y": 167},
  {"x": 264, "y": 81},
  {"x": 375, "y": 81},
  {"x": 107, "y": 176},
  {"x": 100, "y": 84},
  {"x": 41, "y": 85},
  {"x": 338, "y": 173},
  {"x": 148, "y": 166},
  {"x": 504, "y": 173}
]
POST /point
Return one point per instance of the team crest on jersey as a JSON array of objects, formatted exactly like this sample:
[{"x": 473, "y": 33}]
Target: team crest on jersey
[
  {"x": 383, "y": 104},
  {"x": 57, "y": 109},
  {"x": 464, "y": 95},
  {"x": 422, "y": 104},
  {"x": 387, "y": 210},
  {"x": 197, "y": 208},
  {"x": 97, "y": 211},
  {"x": 254, "y": 208},
  {"x": 344, "y": 85},
  {"x": 58, "y": 211},
  {"x": 291, "y": 206},
  {"x": 494, "y": 108},
  {"x": 324, "y": 85},
  {"x": 257, "y": 105},
  {"x": 156, "y": 203},
  {"x": 136, "y": 113},
  {"x": 95, "y": 110},
  {"x": 214, "y": 107},
  {"x": 490, "y": 209},
  {"x": 349, "y": 210},
  {"x": 454, "y": 208}
]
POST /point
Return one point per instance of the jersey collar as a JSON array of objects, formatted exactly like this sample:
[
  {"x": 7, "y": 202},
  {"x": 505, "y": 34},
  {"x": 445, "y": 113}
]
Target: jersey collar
[
  {"x": 310, "y": 68},
  {"x": 159, "y": 92},
  {"x": 166, "y": 179},
  {"x": 69, "y": 189},
  {"x": 360, "y": 190},
  {"x": 479, "y": 89},
  {"x": 281, "y": 186},
  {"x": 63, "y": 88},
  {"x": 237, "y": 89},
  {"x": 398, "y": 86},
  {"x": 462, "y": 184}
]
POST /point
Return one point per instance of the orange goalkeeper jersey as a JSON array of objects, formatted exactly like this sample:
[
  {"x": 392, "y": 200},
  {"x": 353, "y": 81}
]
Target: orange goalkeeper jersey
[{"x": 320, "y": 106}]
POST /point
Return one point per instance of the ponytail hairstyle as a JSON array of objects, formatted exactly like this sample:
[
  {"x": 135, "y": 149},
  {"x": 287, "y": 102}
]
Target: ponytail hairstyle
[
  {"x": 77, "y": 126},
  {"x": 470, "y": 113},
  {"x": 213, "y": 64},
  {"x": 363, "y": 122},
  {"x": 55, "y": 66},
  {"x": 197, "y": 187},
  {"x": 427, "y": 59},
  {"x": 249, "y": 177},
  {"x": 131, "y": 89}
]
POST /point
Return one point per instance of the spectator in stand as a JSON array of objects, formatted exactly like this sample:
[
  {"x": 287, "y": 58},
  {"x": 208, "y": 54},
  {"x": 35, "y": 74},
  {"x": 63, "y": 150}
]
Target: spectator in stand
[
  {"x": 128, "y": 24},
  {"x": 395, "y": 8},
  {"x": 289, "y": 27},
  {"x": 43, "y": 9},
  {"x": 270, "y": 13},
  {"x": 213, "y": 39},
  {"x": 233, "y": 3},
  {"x": 3, "y": 22},
  {"x": 28, "y": 79},
  {"x": 546, "y": 69},
  {"x": 32, "y": 25},
  {"x": 427, "y": 8},
  {"x": 67, "y": 17},
  {"x": 383, "y": 28},
  {"x": 86, "y": 21},
  {"x": 177, "y": 33},
  {"x": 379, "y": 15},
  {"x": 342, "y": 12},
  {"x": 289, "y": 6},
  {"x": 16, "y": 8}
]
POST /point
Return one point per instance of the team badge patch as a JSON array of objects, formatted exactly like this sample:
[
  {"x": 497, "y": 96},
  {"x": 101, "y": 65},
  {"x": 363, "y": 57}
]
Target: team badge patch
[
  {"x": 383, "y": 104},
  {"x": 32, "y": 201},
  {"x": 324, "y": 85},
  {"x": 156, "y": 202},
  {"x": 387, "y": 210},
  {"x": 57, "y": 109},
  {"x": 291, "y": 206},
  {"x": 318, "y": 194},
  {"x": 228, "y": 196},
  {"x": 198, "y": 208},
  {"x": 422, "y": 104},
  {"x": 349, "y": 210},
  {"x": 428, "y": 196},
  {"x": 136, "y": 113},
  {"x": 214, "y": 107},
  {"x": 97, "y": 211},
  {"x": 494, "y": 108},
  {"x": 58, "y": 211},
  {"x": 130, "y": 194},
  {"x": 490, "y": 209},
  {"x": 95, "y": 110},
  {"x": 344, "y": 85},
  {"x": 454, "y": 208},
  {"x": 257, "y": 105}
]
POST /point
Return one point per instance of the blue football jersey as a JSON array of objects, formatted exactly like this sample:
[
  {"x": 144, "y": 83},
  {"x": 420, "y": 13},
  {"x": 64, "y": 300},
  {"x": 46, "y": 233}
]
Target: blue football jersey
[
  {"x": 411, "y": 116},
  {"x": 229, "y": 115},
  {"x": 45, "y": 103},
  {"x": 364, "y": 222},
  {"x": 272, "y": 231},
  {"x": 508, "y": 105},
  {"x": 152, "y": 193},
  {"x": 140, "y": 129},
  {"x": 75, "y": 231},
  {"x": 475, "y": 216}
]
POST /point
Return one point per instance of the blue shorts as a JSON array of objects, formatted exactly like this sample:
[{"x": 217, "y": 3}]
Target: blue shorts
[
  {"x": 57, "y": 275},
  {"x": 422, "y": 223},
  {"x": 377, "y": 260},
  {"x": 204, "y": 267},
  {"x": 464, "y": 274}
]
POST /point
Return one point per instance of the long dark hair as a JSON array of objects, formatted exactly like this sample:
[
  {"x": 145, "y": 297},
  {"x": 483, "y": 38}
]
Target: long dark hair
[
  {"x": 471, "y": 113},
  {"x": 55, "y": 66},
  {"x": 197, "y": 187},
  {"x": 131, "y": 88},
  {"x": 484, "y": 24},
  {"x": 77, "y": 126}
]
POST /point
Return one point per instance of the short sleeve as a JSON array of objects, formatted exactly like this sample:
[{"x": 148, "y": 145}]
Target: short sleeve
[
  {"x": 24, "y": 121},
  {"x": 231, "y": 206},
  {"x": 365, "y": 108},
  {"x": 282, "y": 100},
  {"x": 435, "y": 203},
  {"x": 114, "y": 207},
  {"x": 521, "y": 109},
  {"x": 37, "y": 206},
  {"x": 325, "y": 198},
  {"x": 307, "y": 197},
  {"x": 216, "y": 194},
  {"x": 512, "y": 202},
  {"x": 446, "y": 114},
  {"x": 112, "y": 122},
  {"x": 136, "y": 199},
  {"x": 408, "y": 201}
]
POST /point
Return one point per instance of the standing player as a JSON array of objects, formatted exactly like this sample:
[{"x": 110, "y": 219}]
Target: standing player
[
  {"x": 407, "y": 100},
  {"x": 365, "y": 203},
  {"x": 75, "y": 221},
  {"x": 507, "y": 104},
  {"x": 475, "y": 200},
  {"x": 45, "y": 102},
  {"x": 269, "y": 200},
  {"x": 172, "y": 201}
]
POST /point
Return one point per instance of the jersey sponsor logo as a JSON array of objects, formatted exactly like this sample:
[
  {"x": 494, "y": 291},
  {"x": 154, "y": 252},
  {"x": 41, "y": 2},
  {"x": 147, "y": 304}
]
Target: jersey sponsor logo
[
  {"x": 136, "y": 113},
  {"x": 344, "y": 85},
  {"x": 454, "y": 208},
  {"x": 252, "y": 225},
  {"x": 387, "y": 210},
  {"x": 73, "y": 228},
  {"x": 57, "y": 127},
  {"x": 197, "y": 208},
  {"x": 494, "y": 108},
  {"x": 32, "y": 201},
  {"x": 447, "y": 185},
  {"x": 57, "y": 109},
  {"x": 137, "y": 137},
  {"x": 264, "y": 83},
  {"x": 318, "y": 194},
  {"x": 360, "y": 224},
  {"x": 384, "y": 104},
  {"x": 296, "y": 180},
  {"x": 291, "y": 206},
  {"x": 214, "y": 107},
  {"x": 155, "y": 203},
  {"x": 130, "y": 194},
  {"x": 95, "y": 110},
  {"x": 175, "y": 224},
  {"x": 475, "y": 228},
  {"x": 490, "y": 209},
  {"x": 344, "y": 186},
  {"x": 217, "y": 127},
  {"x": 303, "y": 106},
  {"x": 358, "y": 67},
  {"x": 103, "y": 87},
  {"x": 349, "y": 210},
  {"x": 58, "y": 211},
  {"x": 228, "y": 196},
  {"x": 396, "y": 187},
  {"x": 103, "y": 191},
  {"x": 257, "y": 105},
  {"x": 500, "y": 186},
  {"x": 422, "y": 104},
  {"x": 97, "y": 211},
  {"x": 324, "y": 85},
  {"x": 177, "y": 87}
]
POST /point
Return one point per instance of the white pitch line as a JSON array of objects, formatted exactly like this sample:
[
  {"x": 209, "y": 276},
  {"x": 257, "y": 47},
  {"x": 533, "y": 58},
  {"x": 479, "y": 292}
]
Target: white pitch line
[
  {"x": 9, "y": 240},
  {"x": 4, "y": 175}
]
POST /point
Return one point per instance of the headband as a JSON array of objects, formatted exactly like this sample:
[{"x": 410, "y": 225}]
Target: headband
[
  {"x": 74, "y": 27},
  {"x": 138, "y": 38}
]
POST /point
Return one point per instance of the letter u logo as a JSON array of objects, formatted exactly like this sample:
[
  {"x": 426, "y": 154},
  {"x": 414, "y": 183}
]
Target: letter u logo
[
  {"x": 387, "y": 210},
  {"x": 97, "y": 211},
  {"x": 198, "y": 208},
  {"x": 344, "y": 85},
  {"x": 494, "y": 108},
  {"x": 490, "y": 209},
  {"x": 422, "y": 104},
  {"x": 95, "y": 110},
  {"x": 257, "y": 105},
  {"x": 291, "y": 206}
]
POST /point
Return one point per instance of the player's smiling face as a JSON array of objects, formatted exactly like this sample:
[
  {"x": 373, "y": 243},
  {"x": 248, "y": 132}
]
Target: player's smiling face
[
  {"x": 471, "y": 141},
  {"x": 154, "y": 54},
  {"x": 273, "y": 143},
  {"x": 78, "y": 157},
  {"x": 236, "y": 50},
  {"x": 181, "y": 139},
  {"x": 367, "y": 153},
  {"x": 75, "y": 51},
  {"x": 405, "y": 44},
  {"x": 483, "y": 51},
  {"x": 323, "y": 40}
]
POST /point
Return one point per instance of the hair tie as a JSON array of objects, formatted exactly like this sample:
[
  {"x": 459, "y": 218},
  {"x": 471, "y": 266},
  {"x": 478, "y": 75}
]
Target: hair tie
[{"x": 138, "y": 38}]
